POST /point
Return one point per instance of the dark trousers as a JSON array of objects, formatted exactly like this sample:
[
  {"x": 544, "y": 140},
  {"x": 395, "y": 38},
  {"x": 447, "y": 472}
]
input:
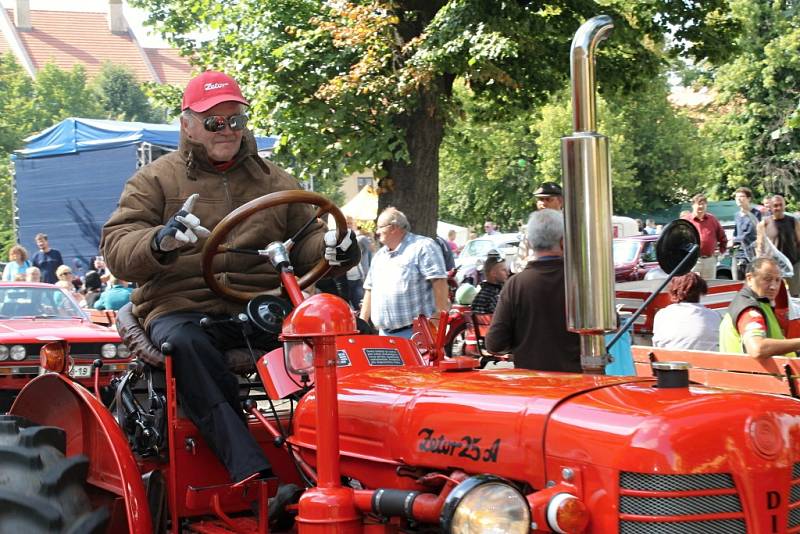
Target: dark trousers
[{"x": 207, "y": 391}]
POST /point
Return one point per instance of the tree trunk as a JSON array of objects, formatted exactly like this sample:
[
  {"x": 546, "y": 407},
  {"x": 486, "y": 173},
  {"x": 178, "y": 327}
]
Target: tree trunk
[{"x": 413, "y": 187}]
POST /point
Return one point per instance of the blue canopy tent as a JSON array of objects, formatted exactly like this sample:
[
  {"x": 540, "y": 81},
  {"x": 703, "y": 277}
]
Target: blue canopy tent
[{"x": 68, "y": 179}]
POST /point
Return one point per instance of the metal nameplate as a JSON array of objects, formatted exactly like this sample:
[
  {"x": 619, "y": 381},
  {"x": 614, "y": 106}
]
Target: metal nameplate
[{"x": 383, "y": 357}]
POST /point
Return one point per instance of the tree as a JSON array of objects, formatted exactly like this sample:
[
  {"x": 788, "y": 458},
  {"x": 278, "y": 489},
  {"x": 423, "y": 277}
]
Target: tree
[
  {"x": 368, "y": 84},
  {"x": 121, "y": 97},
  {"x": 490, "y": 169},
  {"x": 754, "y": 122}
]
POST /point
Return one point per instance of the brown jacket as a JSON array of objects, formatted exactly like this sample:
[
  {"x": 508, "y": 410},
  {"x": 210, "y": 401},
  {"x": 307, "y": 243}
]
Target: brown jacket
[
  {"x": 531, "y": 320},
  {"x": 158, "y": 190}
]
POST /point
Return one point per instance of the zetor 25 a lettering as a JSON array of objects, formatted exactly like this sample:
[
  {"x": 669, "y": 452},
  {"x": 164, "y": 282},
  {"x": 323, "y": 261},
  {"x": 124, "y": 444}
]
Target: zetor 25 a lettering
[{"x": 466, "y": 447}]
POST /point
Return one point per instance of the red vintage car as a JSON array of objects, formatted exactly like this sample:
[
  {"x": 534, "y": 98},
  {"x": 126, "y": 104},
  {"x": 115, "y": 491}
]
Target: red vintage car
[
  {"x": 634, "y": 256},
  {"x": 33, "y": 314}
]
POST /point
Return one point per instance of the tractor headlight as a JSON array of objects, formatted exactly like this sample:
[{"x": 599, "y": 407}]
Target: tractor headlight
[
  {"x": 3, "y": 353},
  {"x": 17, "y": 353},
  {"x": 298, "y": 356},
  {"x": 487, "y": 505},
  {"x": 109, "y": 350},
  {"x": 122, "y": 351}
]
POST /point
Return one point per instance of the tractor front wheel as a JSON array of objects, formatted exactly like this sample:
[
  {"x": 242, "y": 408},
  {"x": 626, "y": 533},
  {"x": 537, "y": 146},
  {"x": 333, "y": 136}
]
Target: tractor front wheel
[{"x": 42, "y": 491}]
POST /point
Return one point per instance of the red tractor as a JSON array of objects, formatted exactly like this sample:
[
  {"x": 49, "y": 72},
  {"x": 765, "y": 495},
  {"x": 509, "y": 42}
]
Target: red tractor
[{"x": 365, "y": 437}]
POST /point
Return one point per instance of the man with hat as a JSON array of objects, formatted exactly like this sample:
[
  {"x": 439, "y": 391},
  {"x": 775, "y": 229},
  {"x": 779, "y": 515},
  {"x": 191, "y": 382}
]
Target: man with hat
[
  {"x": 549, "y": 196},
  {"x": 155, "y": 238}
]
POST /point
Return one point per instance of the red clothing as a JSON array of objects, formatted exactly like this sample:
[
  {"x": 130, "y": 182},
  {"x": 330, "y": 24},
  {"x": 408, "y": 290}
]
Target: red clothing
[{"x": 711, "y": 233}]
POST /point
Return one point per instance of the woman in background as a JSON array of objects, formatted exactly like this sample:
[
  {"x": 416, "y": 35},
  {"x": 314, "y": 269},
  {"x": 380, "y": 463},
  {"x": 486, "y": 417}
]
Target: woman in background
[
  {"x": 687, "y": 324},
  {"x": 18, "y": 262}
]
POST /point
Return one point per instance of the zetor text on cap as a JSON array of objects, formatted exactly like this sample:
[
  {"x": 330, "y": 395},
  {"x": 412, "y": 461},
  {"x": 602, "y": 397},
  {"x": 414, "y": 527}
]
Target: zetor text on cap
[{"x": 210, "y": 88}]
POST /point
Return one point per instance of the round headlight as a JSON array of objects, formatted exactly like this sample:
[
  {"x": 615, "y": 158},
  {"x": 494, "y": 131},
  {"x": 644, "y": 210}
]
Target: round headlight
[
  {"x": 488, "y": 505},
  {"x": 109, "y": 350},
  {"x": 3, "y": 353},
  {"x": 17, "y": 353},
  {"x": 122, "y": 351}
]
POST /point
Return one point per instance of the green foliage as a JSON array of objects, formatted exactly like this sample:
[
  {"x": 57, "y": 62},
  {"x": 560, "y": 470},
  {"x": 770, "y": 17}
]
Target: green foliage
[
  {"x": 755, "y": 127},
  {"x": 121, "y": 97},
  {"x": 656, "y": 156},
  {"x": 368, "y": 83},
  {"x": 58, "y": 94}
]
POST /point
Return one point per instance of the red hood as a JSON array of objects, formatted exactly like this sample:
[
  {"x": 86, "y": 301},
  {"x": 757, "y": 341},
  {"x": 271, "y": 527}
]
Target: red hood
[
  {"x": 74, "y": 330},
  {"x": 425, "y": 417}
]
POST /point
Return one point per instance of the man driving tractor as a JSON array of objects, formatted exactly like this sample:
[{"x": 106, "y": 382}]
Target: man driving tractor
[{"x": 155, "y": 239}]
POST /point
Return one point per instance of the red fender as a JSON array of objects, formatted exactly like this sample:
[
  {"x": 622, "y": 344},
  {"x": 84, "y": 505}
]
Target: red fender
[{"x": 53, "y": 400}]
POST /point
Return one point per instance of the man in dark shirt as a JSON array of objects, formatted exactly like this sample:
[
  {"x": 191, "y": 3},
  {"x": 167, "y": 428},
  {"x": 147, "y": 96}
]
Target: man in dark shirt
[
  {"x": 530, "y": 320},
  {"x": 47, "y": 259},
  {"x": 496, "y": 273},
  {"x": 784, "y": 232}
]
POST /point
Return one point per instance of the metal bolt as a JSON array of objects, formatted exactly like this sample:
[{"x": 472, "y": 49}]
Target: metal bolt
[
  {"x": 550, "y": 484},
  {"x": 567, "y": 474}
]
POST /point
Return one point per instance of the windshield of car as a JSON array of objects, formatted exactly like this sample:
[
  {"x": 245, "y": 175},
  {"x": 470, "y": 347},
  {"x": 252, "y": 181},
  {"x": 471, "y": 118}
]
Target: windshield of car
[
  {"x": 478, "y": 247},
  {"x": 37, "y": 302},
  {"x": 625, "y": 251}
]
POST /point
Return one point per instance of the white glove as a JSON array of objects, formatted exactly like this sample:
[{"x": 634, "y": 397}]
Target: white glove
[
  {"x": 337, "y": 254},
  {"x": 181, "y": 229}
]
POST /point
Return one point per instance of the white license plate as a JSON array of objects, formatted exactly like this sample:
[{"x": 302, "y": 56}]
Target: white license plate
[{"x": 80, "y": 371}]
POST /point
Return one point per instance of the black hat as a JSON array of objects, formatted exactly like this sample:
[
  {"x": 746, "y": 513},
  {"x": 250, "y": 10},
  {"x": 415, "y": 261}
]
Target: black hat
[
  {"x": 92, "y": 280},
  {"x": 548, "y": 189}
]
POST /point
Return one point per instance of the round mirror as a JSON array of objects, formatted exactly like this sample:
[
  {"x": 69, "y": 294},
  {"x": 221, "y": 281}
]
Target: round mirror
[{"x": 674, "y": 244}]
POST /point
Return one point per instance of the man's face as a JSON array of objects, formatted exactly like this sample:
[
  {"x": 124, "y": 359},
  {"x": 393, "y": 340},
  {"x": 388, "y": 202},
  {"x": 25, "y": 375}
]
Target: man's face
[
  {"x": 550, "y": 203},
  {"x": 488, "y": 227},
  {"x": 699, "y": 208},
  {"x": 41, "y": 243},
  {"x": 388, "y": 234},
  {"x": 220, "y": 146},
  {"x": 765, "y": 282},
  {"x": 498, "y": 274},
  {"x": 778, "y": 207},
  {"x": 742, "y": 200}
]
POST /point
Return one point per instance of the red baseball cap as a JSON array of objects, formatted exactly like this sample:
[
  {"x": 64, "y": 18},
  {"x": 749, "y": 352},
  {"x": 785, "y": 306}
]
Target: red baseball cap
[{"x": 208, "y": 89}]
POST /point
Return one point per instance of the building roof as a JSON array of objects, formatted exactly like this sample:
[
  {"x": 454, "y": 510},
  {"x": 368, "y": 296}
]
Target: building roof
[
  {"x": 169, "y": 65},
  {"x": 67, "y": 38}
]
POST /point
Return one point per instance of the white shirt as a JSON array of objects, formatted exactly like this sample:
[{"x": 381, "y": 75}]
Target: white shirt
[{"x": 687, "y": 325}]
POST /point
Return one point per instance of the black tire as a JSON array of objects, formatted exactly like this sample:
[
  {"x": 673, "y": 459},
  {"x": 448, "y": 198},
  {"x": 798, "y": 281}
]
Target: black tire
[
  {"x": 457, "y": 342},
  {"x": 41, "y": 491}
]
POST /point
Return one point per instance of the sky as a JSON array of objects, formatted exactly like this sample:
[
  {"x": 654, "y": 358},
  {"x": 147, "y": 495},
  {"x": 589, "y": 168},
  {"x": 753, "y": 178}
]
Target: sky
[{"x": 135, "y": 17}]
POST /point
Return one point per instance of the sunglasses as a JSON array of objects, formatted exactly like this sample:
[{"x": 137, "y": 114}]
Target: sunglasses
[{"x": 217, "y": 123}]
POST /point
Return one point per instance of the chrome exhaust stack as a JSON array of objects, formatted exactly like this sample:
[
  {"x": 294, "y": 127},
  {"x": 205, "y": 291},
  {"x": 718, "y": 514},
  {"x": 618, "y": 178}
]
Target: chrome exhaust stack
[{"x": 587, "y": 207}]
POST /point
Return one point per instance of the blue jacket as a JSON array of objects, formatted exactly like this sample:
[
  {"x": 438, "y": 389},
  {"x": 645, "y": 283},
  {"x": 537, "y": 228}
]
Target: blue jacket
[{"x": 113, "y": 298}]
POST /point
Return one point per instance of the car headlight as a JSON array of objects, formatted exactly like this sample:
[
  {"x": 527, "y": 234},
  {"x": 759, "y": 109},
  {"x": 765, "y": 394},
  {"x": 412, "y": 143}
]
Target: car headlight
[
  {"x": 122, "y": 351},
  {"x": 3, "y": 353},
  {"x": 485, "y": 504},
  {"x": 109, "y": 350},
  {"x": 17, "y": 353}
]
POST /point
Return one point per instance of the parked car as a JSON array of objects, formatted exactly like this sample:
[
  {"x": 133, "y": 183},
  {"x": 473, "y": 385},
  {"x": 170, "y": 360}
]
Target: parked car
[
  {"x": 476, "y": 250},
  {"x": 634, "y": 256},
  {"x": 30, "y": 315}
]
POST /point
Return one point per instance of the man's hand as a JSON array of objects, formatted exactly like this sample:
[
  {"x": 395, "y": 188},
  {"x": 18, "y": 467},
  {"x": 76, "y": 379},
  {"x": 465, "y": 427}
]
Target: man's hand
[
  {"x": 181, "y": 229},
  {"x": 344, "y": 252}
]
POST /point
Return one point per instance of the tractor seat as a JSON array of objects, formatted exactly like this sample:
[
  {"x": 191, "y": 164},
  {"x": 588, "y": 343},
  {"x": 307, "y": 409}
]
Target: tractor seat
[{"x": 135, "y": 338}]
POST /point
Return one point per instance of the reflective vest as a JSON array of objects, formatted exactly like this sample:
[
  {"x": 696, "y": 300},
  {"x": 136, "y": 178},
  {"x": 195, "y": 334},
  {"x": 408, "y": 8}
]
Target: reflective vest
[{"x": 730, "y": 340}]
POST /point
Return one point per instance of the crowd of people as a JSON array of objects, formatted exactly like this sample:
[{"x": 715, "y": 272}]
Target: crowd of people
[{"x": 97, "y": 289}]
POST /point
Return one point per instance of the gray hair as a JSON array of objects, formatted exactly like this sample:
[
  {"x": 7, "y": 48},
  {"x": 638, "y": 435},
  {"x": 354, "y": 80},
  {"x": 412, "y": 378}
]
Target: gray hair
[
  {"x": 545, "y": 229},
  {"x": 396, "y": 217}
]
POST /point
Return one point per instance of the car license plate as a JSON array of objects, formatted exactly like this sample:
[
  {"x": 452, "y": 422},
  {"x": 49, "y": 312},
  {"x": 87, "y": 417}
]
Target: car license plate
[{"x": 80, "y": 371}]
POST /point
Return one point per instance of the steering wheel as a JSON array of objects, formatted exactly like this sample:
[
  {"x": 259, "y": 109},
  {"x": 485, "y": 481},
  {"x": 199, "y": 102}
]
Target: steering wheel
[{"x": 214, "y": 246}]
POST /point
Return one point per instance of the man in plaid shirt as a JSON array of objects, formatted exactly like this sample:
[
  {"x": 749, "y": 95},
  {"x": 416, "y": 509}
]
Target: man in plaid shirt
[{"x": 407, "y": 278}]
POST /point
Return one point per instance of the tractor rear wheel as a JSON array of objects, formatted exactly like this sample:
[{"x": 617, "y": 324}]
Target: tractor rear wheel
[{"x": 42, "y": 491}]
